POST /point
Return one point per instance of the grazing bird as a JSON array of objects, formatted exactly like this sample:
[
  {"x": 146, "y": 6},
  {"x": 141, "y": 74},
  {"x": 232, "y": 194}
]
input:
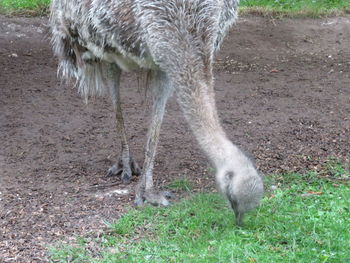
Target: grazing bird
[{"x": 175, "y": 40}]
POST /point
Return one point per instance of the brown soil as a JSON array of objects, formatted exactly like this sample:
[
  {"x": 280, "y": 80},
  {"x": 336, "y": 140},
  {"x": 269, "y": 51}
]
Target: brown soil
[{"x": 283, "y": 93}]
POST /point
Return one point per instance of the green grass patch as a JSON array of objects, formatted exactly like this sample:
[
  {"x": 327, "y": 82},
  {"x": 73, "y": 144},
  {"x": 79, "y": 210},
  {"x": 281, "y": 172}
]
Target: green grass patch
[
  {"x": 335, "y": 169},
  {"x": 295, "y": 8},
  {"x": 33, "y": 7},
  {"x": 303, "y": 218},
  {"x": 180, "y": 184}
]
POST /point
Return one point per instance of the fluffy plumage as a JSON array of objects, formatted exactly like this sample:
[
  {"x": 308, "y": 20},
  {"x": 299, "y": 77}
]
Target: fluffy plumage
[{"x": 177, "y": 41}]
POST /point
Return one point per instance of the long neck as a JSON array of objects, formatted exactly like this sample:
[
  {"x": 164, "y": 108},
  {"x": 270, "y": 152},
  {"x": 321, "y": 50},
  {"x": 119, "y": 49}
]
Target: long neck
[{"x": 196, "y": 97}]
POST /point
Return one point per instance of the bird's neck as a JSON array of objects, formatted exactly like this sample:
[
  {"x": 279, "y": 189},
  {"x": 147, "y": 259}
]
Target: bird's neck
[{"x": 199, "y": 107}]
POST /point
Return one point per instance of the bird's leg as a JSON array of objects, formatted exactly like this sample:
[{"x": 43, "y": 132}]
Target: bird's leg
[
  {"x": 126, "y": 166},
  {"x": 162, "y": 89}
]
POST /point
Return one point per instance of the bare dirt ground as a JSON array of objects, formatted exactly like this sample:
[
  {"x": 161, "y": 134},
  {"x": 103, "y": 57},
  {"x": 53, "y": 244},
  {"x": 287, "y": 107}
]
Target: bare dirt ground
[{"x": 283, "y": 93}]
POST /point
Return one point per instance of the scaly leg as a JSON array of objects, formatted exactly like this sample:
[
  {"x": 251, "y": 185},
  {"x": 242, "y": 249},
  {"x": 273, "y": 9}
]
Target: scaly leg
[
  {"x": 162, "y": 89},
  {"x": 126, "y": 166}
]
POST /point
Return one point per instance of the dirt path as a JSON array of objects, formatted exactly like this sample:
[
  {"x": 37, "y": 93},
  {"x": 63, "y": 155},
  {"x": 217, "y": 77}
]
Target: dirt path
[{"x": 283, "y": 93}]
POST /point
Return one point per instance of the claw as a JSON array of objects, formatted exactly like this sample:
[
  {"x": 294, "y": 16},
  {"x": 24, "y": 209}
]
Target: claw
[
  {"x": 156, "y": 199},
  {"x": 114, "y": 170},
  {"x": 135, "y": 168},
  {"x": 152, "y": 197},
  {"x": 138, "y": 202},
  {"x": 169, "y": 195},
  {"x": 126, "y": 176},
  {"x": 125, "y": 169}
]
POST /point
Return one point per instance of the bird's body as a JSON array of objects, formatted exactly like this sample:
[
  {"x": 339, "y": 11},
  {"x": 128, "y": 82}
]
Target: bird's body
[{"x": 95, "y": 40}]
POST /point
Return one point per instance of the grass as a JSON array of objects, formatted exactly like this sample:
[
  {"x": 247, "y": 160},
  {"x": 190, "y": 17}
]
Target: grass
[
  {"x": 274, "y": 8},
  {"x": 180, "y": 184},
  {"x": 295, "y": 8},
  {"x": 305, "y": 218},
  {"x": 335, "y": 169},
  {"x": 34, "y": 7}
]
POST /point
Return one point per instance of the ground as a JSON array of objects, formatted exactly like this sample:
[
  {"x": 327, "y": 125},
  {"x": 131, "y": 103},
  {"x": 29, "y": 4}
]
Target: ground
[{"x": 283, "y": 94}]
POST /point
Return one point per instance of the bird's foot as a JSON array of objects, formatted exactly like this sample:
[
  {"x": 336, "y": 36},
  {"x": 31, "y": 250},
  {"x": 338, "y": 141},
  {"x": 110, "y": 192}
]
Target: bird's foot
[
  {"x": 126, "y": 167},
  {"x": 154, "y": 198}
]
